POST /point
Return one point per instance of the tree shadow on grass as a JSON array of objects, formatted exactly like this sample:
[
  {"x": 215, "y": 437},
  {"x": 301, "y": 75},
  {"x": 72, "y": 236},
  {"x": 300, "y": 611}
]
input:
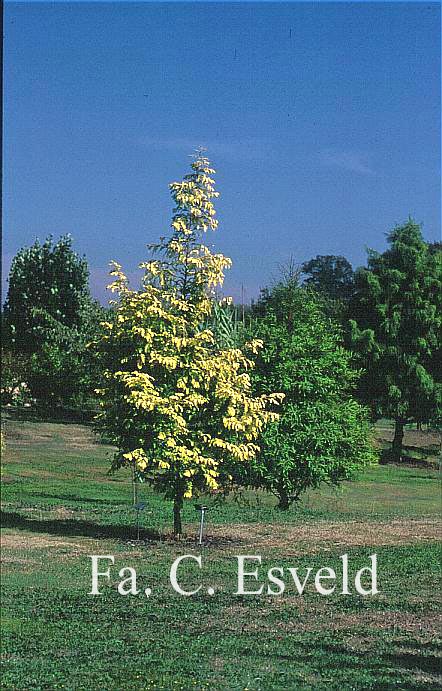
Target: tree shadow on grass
[
  {"x": 72, "y": 527},
  {"x": 392, "y": 668},
  {"x": 421, "y": 662},
  {"x": 426, "y": 460},
  {"x": 63, "y": 416},
  {"x": 83, "y": 500},
  {"x": 425, "y": 663}
]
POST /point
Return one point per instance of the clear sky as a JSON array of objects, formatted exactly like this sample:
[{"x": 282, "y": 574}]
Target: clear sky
[{"x": 322, "y": 120}]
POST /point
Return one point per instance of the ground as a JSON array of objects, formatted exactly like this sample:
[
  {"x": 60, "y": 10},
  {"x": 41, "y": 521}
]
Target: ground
[{"x": 60, "y": 506}]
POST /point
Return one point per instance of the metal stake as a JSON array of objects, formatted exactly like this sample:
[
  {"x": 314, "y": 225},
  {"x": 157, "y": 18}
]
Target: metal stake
[
  {"x": 201, "y": 525},
  {"x": 203, "y": 509},
  {"x": 139, "y": 507}
]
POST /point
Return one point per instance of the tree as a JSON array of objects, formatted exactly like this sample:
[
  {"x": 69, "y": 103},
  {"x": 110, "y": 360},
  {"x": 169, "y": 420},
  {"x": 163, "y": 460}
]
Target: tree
[
  {"x": 46, "y": 280},
  {"x": 331, "y": 275},
  {"x": 434, "y": 247},
  {"x": 49, "y": 318},
  {"x": 178, "y": 406},
  {"x": 322, "y": 434},
  {"x": 397, "y": 327},
  {"x": 63, "y": 371}
]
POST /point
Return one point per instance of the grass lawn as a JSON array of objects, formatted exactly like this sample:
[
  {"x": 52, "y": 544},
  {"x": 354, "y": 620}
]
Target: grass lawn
[{"x": 60, "y": 506}]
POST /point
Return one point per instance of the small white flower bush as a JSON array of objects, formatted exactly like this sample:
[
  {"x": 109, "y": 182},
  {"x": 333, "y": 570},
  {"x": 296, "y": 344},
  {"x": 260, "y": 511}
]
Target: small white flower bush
[{"x": 17, "y": 395}]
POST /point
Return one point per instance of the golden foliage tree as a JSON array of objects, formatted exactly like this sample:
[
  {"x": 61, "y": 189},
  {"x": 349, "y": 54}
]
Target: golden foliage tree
[{"x": 179, "y": 407}]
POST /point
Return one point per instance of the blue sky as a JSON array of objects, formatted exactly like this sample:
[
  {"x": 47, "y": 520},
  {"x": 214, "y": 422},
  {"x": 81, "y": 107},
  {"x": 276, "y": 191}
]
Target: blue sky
[{"x": 323, "y": 121}]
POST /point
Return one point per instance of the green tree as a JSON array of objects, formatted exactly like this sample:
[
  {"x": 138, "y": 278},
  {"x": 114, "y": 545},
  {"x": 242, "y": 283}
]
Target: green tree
[
  {"x": 329, "y": 274},
  {"x": 63, "y": 371},
  {"x": 322, "y": 434},
  {"x": 396, "y": 328},
  {"x": 46, "y": 281},
  {"x": 49, "y": 317},
  {"x": 177, "y": 405}
]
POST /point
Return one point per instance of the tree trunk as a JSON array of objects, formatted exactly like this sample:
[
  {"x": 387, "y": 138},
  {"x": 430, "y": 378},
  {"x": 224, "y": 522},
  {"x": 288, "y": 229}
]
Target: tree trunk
[
  {"x": 177, "y": 506},
  {"x": 398, "y": 439},
  {"x": 284, "y": 501}
]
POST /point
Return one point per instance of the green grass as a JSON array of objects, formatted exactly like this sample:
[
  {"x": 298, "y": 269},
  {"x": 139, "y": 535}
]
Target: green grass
[{"x": 59, "y": 506}]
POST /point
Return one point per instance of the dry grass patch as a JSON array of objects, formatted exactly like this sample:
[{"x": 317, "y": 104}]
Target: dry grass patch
[
  {"x": 314, "y": 538},
  {"x": 428, "y": 439},
  {"x": 318, "y": 615},
  {"x": 425, "y": 626},
  {"x": 23, "y": 542},
  {"x": 69, "y": 435}
]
